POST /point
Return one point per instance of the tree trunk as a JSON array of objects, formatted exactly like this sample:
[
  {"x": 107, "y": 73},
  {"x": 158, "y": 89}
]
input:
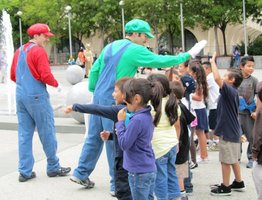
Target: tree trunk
[
  {"x": 216, "y": 41},
  {"x": 171, "y": 40},
  {"x": 223, "y": 29},
  {"x": 102, "y": 37},
  {"x": 55, "y": 54},
  {"x": 156, "y": 38}
]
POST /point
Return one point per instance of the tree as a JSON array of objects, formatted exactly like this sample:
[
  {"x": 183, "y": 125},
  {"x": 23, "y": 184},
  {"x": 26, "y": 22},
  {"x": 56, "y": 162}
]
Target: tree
[{"x": 222, "y": 14}]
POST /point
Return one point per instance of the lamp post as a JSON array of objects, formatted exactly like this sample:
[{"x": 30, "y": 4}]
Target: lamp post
[
  {"x": 19, "y": 13},
  {"x": 67, "y": 11},
  {"x": 245, "y": 26},
  {"x": 122, "y": 3}
]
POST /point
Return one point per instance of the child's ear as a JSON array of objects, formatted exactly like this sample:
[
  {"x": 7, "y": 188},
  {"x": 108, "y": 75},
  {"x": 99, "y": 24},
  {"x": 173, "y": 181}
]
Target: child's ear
[
  {"x": 231, "y": 80},
  {"x": 137, "y": 99}
]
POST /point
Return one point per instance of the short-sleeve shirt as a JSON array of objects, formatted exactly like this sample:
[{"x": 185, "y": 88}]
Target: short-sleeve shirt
[
  {"x": 228, "y": 125},
  {"x": 247, "y": 89}
]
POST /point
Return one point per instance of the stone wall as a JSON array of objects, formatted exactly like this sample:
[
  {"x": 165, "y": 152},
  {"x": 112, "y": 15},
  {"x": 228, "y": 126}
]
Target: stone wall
[{"x": 223, "y": 62}]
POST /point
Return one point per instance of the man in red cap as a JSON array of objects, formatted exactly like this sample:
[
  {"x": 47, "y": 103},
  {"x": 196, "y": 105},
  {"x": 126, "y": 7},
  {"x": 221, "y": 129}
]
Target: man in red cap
[{"x": 31, "y": 72}]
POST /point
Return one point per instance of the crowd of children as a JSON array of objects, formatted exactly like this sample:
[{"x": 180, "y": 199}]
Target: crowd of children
[{"x": 153, "y": 153}]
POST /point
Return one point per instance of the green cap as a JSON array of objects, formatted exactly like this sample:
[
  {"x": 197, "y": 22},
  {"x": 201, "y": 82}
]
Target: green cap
[{"x": 139, "y": 26}]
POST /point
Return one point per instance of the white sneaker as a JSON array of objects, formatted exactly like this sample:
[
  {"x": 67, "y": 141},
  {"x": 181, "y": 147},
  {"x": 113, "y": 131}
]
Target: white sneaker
[
  {"x": 202, "y": 161},
  {"x": 112, "y": 193}
]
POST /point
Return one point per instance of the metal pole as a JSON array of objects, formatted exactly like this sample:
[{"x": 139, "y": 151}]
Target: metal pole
[
  {"x": 20, "y": 31},
  {"x": 245, "y": 26},
  {"x": 70, "y": 39},
  {"x": 182, "y": 27},
  {"x": 123, "y": 21}
]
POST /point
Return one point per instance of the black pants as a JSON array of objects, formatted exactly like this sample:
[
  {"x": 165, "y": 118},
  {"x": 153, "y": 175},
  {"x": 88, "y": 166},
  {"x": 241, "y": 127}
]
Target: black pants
[{"x": 122, "y": 188}]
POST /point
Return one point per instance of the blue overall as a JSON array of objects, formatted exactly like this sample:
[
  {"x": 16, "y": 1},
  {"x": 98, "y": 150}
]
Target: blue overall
[
  {"x": 93, "y": 145},
  {"x": 33, "y": 111}
]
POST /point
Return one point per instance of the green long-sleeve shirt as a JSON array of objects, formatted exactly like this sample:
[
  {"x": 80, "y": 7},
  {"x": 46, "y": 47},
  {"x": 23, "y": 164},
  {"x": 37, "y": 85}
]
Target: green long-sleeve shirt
[{"x": 133, "y": 57}]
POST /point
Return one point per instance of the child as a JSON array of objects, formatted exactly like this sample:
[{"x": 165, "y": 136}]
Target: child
[
  {"x": 122, "y": 189},
  {"x": 198, "y": 104},
  {"x": 213, "y": 94},
  {"x": 135, "y": 138},
  {"x": 247, "y": 92},
  {"x": 228, "y": 129},
  {"x": 257, "y": 146},
  {"x": 182, "y": 158},
  {"x": 190, "y": 86},
  {"x": 165, "y": 141}
]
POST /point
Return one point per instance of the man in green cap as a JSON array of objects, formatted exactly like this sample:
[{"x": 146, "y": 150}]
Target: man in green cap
[{"x": 118, "y": 59}]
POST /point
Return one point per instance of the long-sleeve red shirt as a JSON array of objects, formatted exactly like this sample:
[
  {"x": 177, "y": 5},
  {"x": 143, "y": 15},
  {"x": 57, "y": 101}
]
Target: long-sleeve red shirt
[{"x": 38, "y": 63}]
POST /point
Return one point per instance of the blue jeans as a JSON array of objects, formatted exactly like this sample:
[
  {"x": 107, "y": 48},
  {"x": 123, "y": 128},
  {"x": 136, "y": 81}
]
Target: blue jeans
[
  {"x": 167, "y": 186},
  {"x": 28, "y": 119},
  {"x": 142, "y": 185}
]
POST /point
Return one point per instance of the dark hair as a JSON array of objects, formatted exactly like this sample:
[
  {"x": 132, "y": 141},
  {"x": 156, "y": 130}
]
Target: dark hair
[
  {"x": 237, "y": 75},
  {"x": 207, "y": 64},
  {"x": 120, "y": 83},
  {"x": 200, "y": 77},
  {"x": 259, "y": 90},
  {"x": 171, "y": 104},
  {"x": 245, "y": 59},
  {"x": 186, "y": 63},
  {"x": 169, "y": 73},
  {"x": 147, "y": 91},
  {"x": 178, "y": 89}
]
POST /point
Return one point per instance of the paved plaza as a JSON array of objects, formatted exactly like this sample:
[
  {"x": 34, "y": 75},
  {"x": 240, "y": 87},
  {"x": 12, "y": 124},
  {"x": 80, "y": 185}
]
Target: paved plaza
[{"x": 69, "y": 148}]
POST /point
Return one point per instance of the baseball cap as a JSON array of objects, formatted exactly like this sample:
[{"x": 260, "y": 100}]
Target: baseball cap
[
  {"x": 139, "y": 26},
  {"x": 38, "y": 29},
  {"x": 189, "y": 83}
]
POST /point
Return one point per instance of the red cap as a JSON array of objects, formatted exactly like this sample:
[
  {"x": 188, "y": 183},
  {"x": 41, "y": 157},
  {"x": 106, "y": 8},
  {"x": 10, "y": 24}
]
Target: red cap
[{"x": 38, "y": 29}]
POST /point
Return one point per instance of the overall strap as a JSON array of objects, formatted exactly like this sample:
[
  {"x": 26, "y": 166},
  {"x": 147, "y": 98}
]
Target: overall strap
[
  {"x": 27, "y": 49},
  {"x": 106, "y": 81},
  {"x": 114, "y": 59}
]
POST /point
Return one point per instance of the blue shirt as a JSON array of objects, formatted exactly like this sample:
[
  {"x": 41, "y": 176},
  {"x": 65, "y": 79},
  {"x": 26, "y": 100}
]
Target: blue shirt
[
  {"x": 135, "y": 141},
  {"x": 228, "y": 125},
  {"x": 109, "y": 112}
]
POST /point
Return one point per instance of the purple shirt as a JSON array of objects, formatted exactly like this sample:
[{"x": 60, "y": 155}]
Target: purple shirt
[{"x": 135, "y": 141}]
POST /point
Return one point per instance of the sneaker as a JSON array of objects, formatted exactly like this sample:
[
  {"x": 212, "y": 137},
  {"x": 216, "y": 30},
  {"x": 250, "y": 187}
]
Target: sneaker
[
  {"x": 221, "y": 190},
  {"x": 214, "y": 186},
  {"x": 193, "y": 165},
  {"x": 250, "y": 164},
  {"x": 238, "y": 186},
  {"x": 86, "y": 183},
  {"x": 23, "y": 178},
  {"x": 202, "y": 160},
  {"x": 62, "y": 171},
  {"x": 112, "y": 193}
]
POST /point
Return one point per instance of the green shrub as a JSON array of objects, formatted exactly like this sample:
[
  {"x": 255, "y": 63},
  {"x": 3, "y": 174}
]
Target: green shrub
[{"x": 254, "y": 47}]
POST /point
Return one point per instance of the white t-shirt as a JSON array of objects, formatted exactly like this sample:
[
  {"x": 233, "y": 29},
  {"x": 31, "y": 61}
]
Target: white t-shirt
[{"x": 213, "y": 92}]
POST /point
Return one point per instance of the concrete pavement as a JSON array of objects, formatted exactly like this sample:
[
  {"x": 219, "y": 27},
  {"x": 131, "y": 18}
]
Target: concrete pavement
[{"x": 69, "y": 148}]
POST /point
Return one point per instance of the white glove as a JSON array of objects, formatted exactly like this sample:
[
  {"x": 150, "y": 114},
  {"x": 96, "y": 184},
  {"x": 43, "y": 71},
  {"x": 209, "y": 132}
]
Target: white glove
[
  {"x": 59, "y": 88},
  {"x": 197, "y": 48}
]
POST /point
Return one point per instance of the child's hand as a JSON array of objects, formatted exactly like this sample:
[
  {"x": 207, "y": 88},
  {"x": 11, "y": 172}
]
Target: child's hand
[
  {"x": 104, "y": 135},
  {"x": 68, "y": 109},
  {"x": 121, "y": 114},
  {"x": 243, "y": 139},
  {"x": 213, "y": 59},
  {"x": 253, "y": 115}
]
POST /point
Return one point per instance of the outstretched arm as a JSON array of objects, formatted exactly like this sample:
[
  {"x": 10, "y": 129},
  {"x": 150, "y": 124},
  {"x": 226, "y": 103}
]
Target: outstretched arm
[
  {"x": 109, "y": 112},
  {"x": 215, "y": 71}
]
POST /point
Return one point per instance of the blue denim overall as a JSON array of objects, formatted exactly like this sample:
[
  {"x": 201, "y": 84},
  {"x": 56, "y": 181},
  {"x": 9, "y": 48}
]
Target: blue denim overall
[
  {"x": 33, "y": 111},
  {"x": 93, "y": 145}
]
